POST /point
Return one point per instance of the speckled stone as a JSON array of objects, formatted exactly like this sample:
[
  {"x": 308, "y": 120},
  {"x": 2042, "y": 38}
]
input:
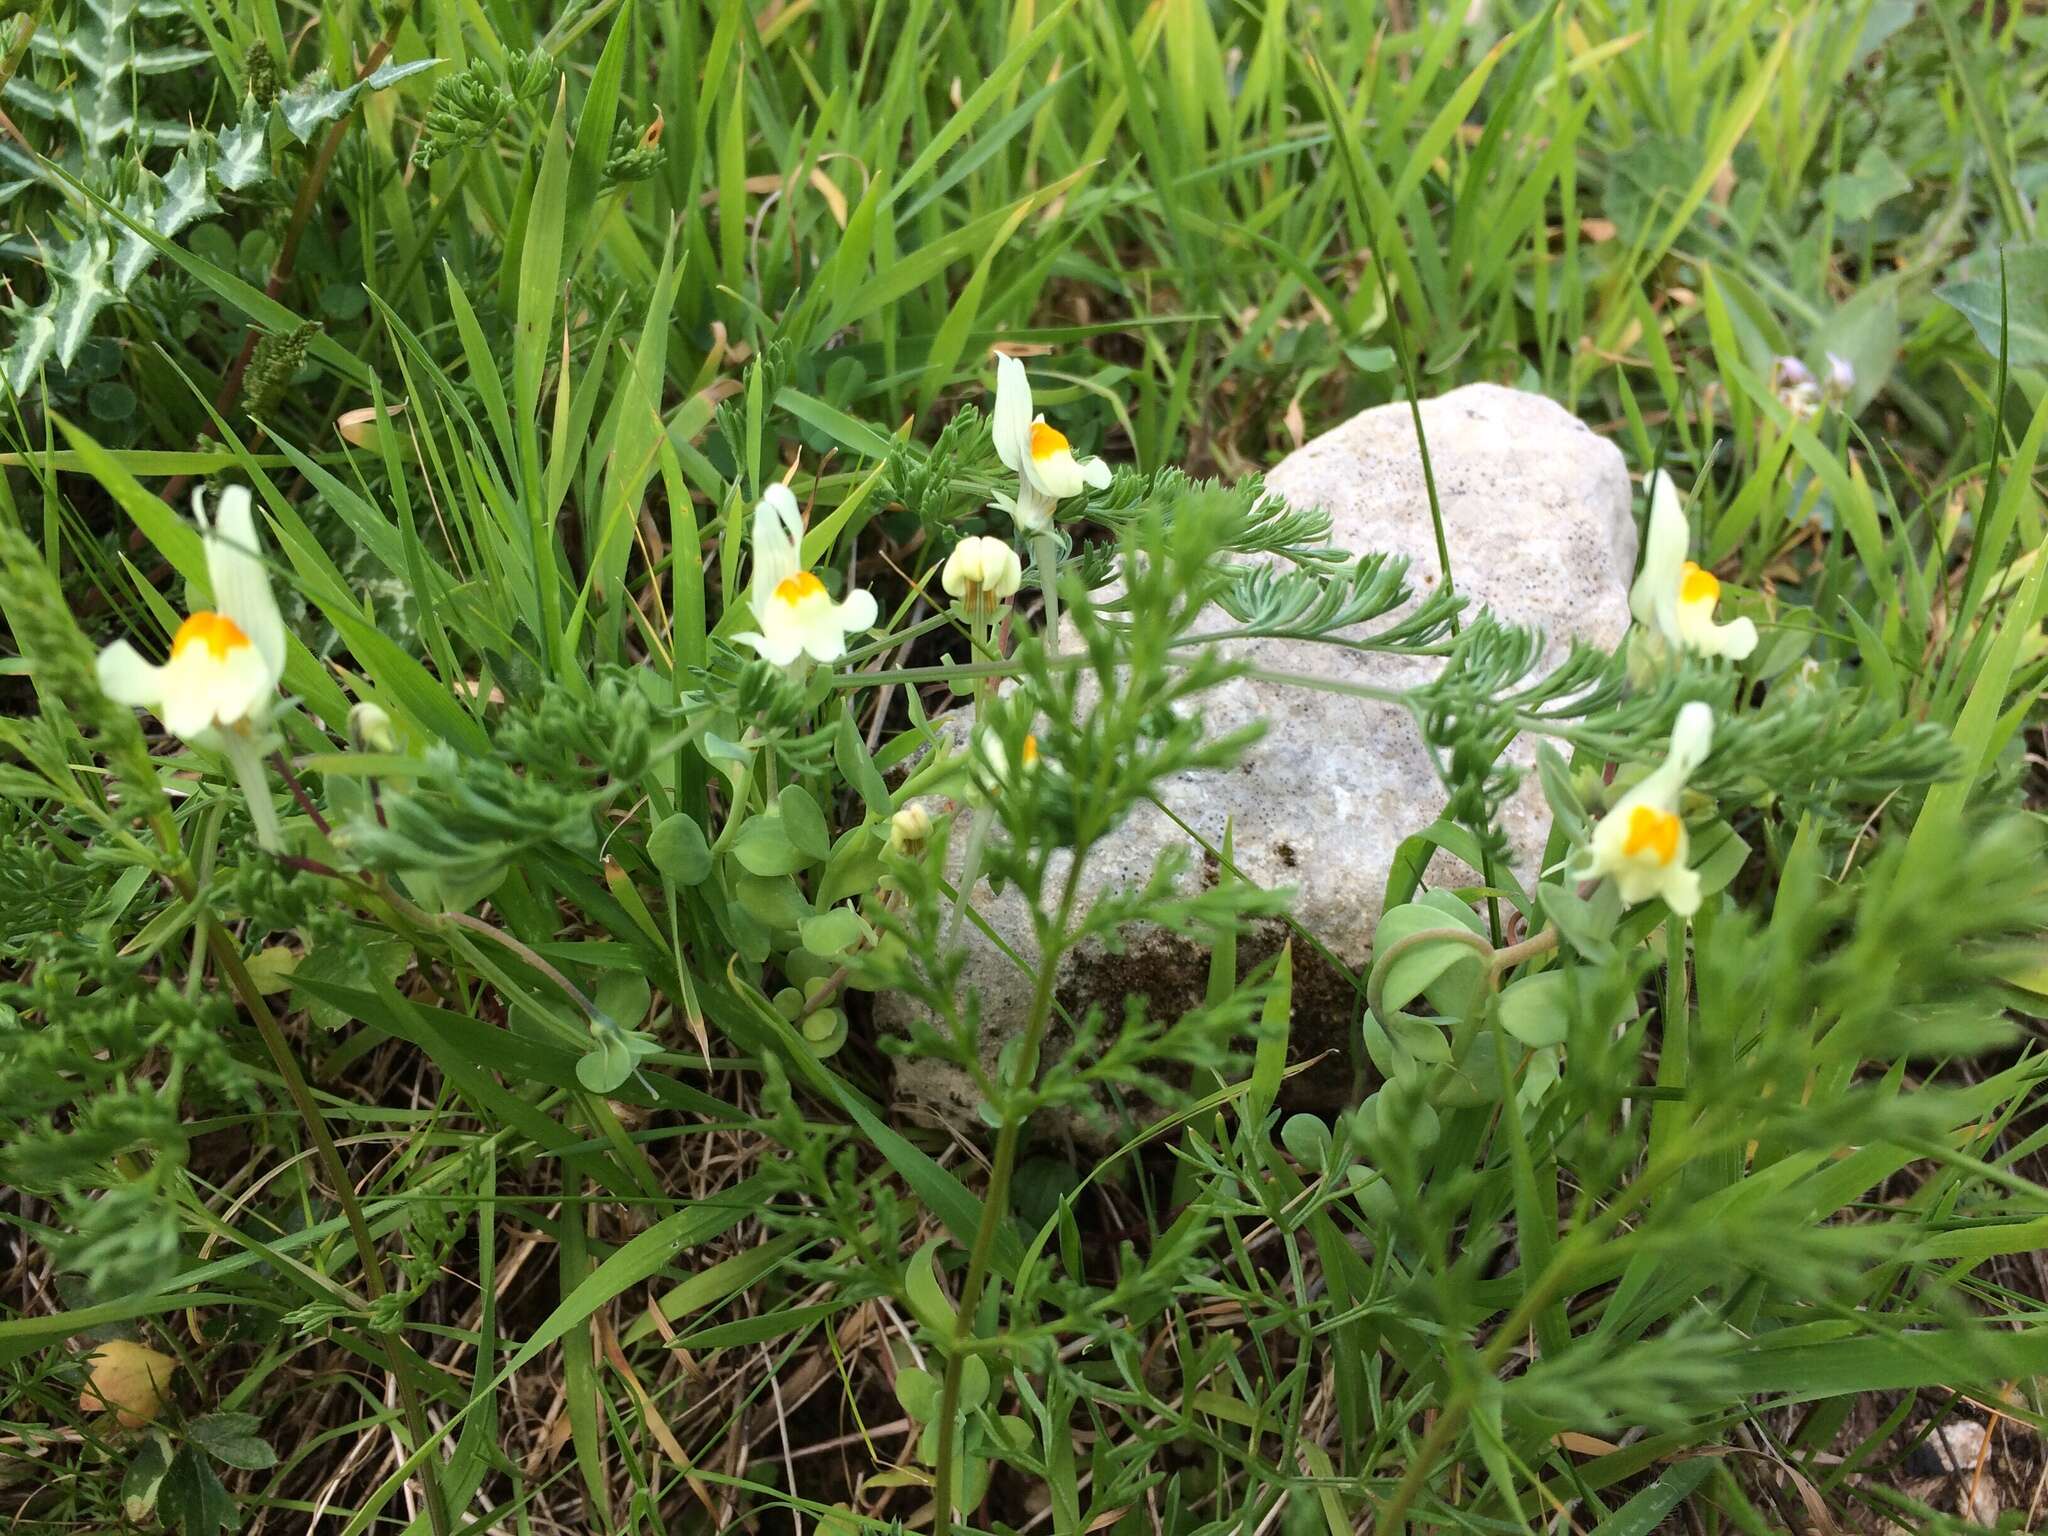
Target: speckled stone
[{"x": 1537, "y": 517}]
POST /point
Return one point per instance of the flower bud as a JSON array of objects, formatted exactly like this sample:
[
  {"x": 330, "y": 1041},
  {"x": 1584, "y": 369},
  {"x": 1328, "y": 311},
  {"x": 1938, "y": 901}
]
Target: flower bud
[
  {"x": 369, "y": 729},
  {"x": 128, "y": 1379},
  {"x": 1841, "y": 378},
  {"x": 991, "y": 771},
  {"x": 982, "y": 572},
  {"x": 909, "y": 829}
]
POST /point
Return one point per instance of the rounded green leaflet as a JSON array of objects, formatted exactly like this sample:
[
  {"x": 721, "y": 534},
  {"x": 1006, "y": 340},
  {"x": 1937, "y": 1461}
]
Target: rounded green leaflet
[
  {"x": 678, "y": 849},
  {"x": 927, "y": 1297},
  {"x": 918, "y": 1393},
  {"x": 764, "y": 847},
  {"x": 1405, "y": 963},
  {"x": 1307, "y": 1140},
  {"x": 773, "y": 901},
  {"x": 606, "y": 1065},
  {"x": 803, "y": 823},
  {"x": 1536, "y": 1010},
  {"x": 623, "y": 996},
  {"x": 834, "y": 932}
]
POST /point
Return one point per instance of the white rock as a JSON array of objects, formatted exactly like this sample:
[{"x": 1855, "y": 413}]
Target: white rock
[
  {"x": 1959, "y": 1446},
  {"x": 1537, "y": 518}
]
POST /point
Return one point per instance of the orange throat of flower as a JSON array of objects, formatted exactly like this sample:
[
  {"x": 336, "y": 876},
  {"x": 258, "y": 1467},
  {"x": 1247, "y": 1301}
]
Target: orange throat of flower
[
  {"x": 1047, "y": 441},
  {"x": 1698, "y": 586},
  {"x": 1653, "y": 832},
  {"x": 216, "y": 631},
  {"x": 794, "y": 589}
]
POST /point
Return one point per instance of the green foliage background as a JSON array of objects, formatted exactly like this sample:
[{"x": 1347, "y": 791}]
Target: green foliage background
[{"x": 594, "y": 1212}]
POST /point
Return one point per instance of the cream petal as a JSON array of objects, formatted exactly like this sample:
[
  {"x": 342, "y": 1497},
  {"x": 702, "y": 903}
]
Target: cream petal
[
  {"x": 1733, "y": 640},
  {"x": 1692, "y": 738},
  {"x": 778, "y": 543},
  {"x": 1095, "y": 473},
  {"x": 191, "y": 700},
  {"x": 824, "y": 640},
  {"x": 1681, "y": 886},
  {"x": 244, "y": 689},
  {"x": 963, "y": 567},
  {"x": 779, "y": 647},
  {"x": 1654, "y": 597},
  {"x": 126, "y": 678},
  {"x": 1058, "y": 475},
  {"x": 1010, "y": 424},
  {"x": 1738, "y": 639},
  {"x": 241, "y": 584},
  {"x": 858, "y": 612},
  {"x": 1032, "y": 509}
]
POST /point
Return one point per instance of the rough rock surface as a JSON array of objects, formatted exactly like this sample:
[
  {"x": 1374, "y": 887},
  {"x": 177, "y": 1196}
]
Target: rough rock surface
[{"x": 1537, "y": 516}]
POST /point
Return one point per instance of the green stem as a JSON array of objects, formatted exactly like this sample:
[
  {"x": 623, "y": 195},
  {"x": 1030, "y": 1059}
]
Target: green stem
[
  {"x": 246, "y": 758},
  {"x": 1022, "y": 1069},
  {"x": 230, "y": 961},
  {"x": 970, "y": 869},
  {"x": 1045, "y": 555}
]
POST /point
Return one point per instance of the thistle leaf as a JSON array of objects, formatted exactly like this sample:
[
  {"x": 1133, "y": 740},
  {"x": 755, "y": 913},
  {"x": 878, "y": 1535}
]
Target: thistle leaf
[
  {"x": 167, "y": 61},
  {"x": 312, "y": 106},
  {"x": 186, "y": 195},
  {"x": 35, "y": 336},
  {"x": 32, "y": 98},
  {"x": 244, "y": 149},
  {"x": 83, "y": 285}
]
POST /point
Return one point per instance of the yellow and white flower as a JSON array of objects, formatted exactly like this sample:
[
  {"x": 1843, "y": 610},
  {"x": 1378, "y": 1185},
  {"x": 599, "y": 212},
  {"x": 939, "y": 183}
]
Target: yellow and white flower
[
  {"x": 1642, "y": 842},
  {"x": 225, "y": 661},
  {"x": 796, "y": 614},
  {"x": 220, "y": 685},
  {"x": 1674, "y": 598},
  {"x": 981, "y": 573},
  {"x": 1047, "y": 470}
]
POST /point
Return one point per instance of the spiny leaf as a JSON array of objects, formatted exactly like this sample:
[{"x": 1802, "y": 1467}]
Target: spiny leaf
[
  {"x": 83, "y": 287},
  {"x": 311, "y": 106},
  {"x": 186, "y": 195},
  {"x": 35, "y": 335},
  {"x": 244, "y": 149}
]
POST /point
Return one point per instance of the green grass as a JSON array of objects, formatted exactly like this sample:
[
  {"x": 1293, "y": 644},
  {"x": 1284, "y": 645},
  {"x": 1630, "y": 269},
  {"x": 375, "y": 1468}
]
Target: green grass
[{"x": 365, "y": 1138}]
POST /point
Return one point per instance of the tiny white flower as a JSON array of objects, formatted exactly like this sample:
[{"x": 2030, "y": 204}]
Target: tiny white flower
[
  {"x": 1841, "y": 378},
  {"x": 1642, "y": 842},
  {"x": 1789, "y": 372},
  {"x": 1043, "y": 459},
  {"x": 982, "y": 572},
  {"x": 226, "y": 661},
  {"x": 1674, "y": 598},
  {"x": 1794, "y": 385},
  {"x": 796, "y": 614}
]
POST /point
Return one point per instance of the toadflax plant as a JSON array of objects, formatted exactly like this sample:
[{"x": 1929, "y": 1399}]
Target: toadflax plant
[
  {"x": 713, "y": 503},
  {"x": 758, "y": 848}
]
